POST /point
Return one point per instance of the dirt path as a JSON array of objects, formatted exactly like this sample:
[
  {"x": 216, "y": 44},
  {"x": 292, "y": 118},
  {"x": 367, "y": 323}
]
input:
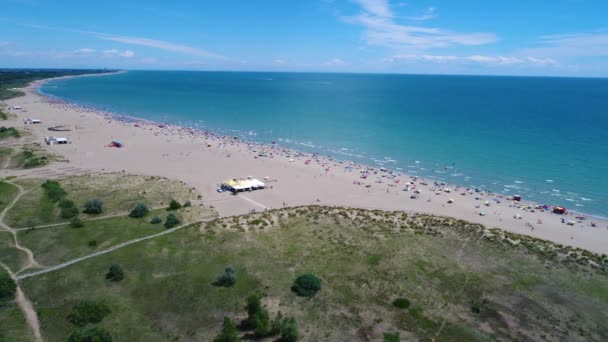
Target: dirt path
[
  {"x": 106, "y": 251},
  {"x": 26, "y": 307}
]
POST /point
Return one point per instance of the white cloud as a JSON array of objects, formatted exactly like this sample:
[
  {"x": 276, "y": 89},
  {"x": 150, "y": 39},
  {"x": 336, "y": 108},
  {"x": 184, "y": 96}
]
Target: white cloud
[
  {"x": 382, "y": 30},
  {"x": 84, "y": 50},
  {"x": 162, "y": 45},
  {"x": 279, "y": 61},
  {"x": 593, "y": 44},
  {"x": 487, "y": 60},
  {"x": 429, "y": 13},
  {"x": 336, "y": 62},
  {"x": 114, "y": 52}
]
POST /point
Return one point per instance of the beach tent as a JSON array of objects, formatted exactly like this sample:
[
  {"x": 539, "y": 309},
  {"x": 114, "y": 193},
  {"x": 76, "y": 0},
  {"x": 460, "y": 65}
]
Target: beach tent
[{"x": 559, "y": 210}]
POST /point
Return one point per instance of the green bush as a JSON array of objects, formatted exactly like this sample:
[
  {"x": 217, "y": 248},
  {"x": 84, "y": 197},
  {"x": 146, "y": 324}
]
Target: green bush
[
  {"x": 402, "y": 303},
  {"x": 7, "y": 287},
  {"x": 88, "y": 311},
  {"x": 229, "y": 332},
  {"x": 115, "y": 273},
  {"x": 226, "y": 279},
  {"x": 76, "y": 223},
  {"x": 53, "y": 190},
  {"x": 258, "y": 318},
  {"x": 94, "y": 334},
  {"x": 171, "y": 221},
  {"x": 156, "y": 220},
  {"x": 140, "y": 210},
  {"x": 392, "y": 337},
  {"x": 68, "y": 212},
  {"x": 93, "y": 207},
  {"x": 92, "y": 243},
  {"x": 66, "y": 203},
  {"x": 306, "y": 285},
  {"x": 289, "y": 330},
  {"x": 174, "y": 205},
  {"x": 187, "y": 204}
]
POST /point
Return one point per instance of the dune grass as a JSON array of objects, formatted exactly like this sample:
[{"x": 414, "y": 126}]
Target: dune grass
[
  {"x": 459, "y": 283},
  {"x": 118, "y": 192},
  {"x": 7, "y": 194}
]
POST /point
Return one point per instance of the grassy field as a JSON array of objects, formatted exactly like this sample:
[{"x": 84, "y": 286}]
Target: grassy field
[
  {"x": 7, "y": 194},
  {"x": 13, "y": 327},
  {"x": 465, "y": 282},
  {"x": 54, "y": 245},
  {"x": 9, "y": 255},
  {"x": 118, "y": 192}
]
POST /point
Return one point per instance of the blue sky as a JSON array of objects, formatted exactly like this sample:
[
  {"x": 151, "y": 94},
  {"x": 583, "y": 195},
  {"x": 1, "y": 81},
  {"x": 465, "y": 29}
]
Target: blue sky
[{"x": 516, "y": 37}]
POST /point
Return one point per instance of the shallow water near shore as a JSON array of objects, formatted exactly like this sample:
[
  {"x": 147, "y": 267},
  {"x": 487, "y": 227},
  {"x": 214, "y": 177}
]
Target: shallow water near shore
[{"x": 543, "y": 138}]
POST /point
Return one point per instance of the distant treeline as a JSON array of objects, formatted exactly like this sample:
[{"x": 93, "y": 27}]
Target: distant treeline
[{"x": 18, "y": 78}]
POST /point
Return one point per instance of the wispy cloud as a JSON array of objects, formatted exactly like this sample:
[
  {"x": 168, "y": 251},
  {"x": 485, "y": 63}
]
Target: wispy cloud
[
  {"x": 429, "y": 13},
  {"x": 159, "y": 44},
  {"x": 84, "y": 50},
  {"x": 382, "y": 29},
  {"x": 591, "y": 44},
  {"x": 487, "y": 60},
  {"x": 115, "y": 52},
  {"x": 336, "y": 62}
]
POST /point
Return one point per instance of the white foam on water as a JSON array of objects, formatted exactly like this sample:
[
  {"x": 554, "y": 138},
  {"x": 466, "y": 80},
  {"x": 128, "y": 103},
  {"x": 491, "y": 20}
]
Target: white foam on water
[
  {"x": 586, "y": 199},
  {"x": 549, "y": 180}
]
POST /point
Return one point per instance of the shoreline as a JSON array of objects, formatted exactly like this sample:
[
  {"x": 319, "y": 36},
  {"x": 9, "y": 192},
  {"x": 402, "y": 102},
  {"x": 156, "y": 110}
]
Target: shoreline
[
  {"x": 325, "y": 182},
  {"x": 125, "y": 118}
]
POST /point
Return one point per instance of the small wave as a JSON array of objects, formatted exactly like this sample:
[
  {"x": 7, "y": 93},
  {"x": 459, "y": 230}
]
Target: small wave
[
  {"x": 549, "y": 180},
  {"x": 585, "y": 199},
  {"x": 555, "y": 190},
  {"x": 518, "y": 182}
]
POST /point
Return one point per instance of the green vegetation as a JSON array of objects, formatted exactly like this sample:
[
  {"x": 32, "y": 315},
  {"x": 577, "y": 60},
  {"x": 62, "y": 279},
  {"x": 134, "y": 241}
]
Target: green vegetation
[
  {"x": 5, "y": 155},
  {"x": 54, "y": 191},
  {"x": 174, "y": 205},
  {"x": 7, "y": 194},
  {"x": 229, "y": 332},
  {"x": 306, "y": 285},
  {"x": 9, "y": 255},
  {"x": 226, "y": 279},
  {"x": 10, "y": 132},
  {"x": 392, "y": 337},
  {"x": 3, "y": 115},
  {"x": 156, "y": 220},
  {"x": 401, "y": 303},
  {"x": 115, "y": 273},
  {"x": 140, "y": 210},
  {"x": 93, "y": 207},
  {"x": 88, "y": 312},
  {"x": 7, "y": 287},
  {"x": 76, "y": 222},
  {"x": 171, "y": 221},
  {"x": 19, "y": 78},
  {"x": 117, "y": 192},
  {"x": 29, "y": 157},
  {"x": 94, "y": 334}
]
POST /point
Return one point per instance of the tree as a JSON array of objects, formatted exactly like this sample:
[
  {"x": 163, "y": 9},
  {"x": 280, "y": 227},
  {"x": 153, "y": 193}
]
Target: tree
[
  {"x": 258, "y": 319},
  {"x": 174, "y": 205},
  {"x": 276, "y": 324},
  {"x": 140, "y": 210},
  {"x": 392, "y": 337},
  {"x": 226, "y": 279},
  {"x": 156, "y": 220},
  {"x": 228, "y": 333},
  {"x": 115, "y": 273},
  {"x": 7, "y": 287},
  {"x": 93, "y": 207},
  {"x": 171, "y": 221},
  {"x": 69, "y": 212},
  {"x": 289, "y": 330},
  {"x": 53, "y": 190},
  {"x": 306, "y": 285},
  {"x": 88, "y": 311},
  {"x": 94, "y": 334}
]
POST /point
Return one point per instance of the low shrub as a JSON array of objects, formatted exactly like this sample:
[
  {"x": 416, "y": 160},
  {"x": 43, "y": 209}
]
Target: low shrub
[
  {"x": 93, "y": 207},
  {"x": 68, "y": 212},
  {"x": 171, "y": 221},
  {"x": 402, "y": 303},
  {"x": 174, "y": 205},
  {"x": 92, "y": 243},
  {"x": 306, "y": 285},
  {"x": 140, "y": 210},
  {"x": 66, "y": 203},
  {"x": 76, "y": 223},
  {"x": 7, "y": 287},
  {"x": 156, "y": 220},
  {"x": 94, "y": 334},
  {"x": 392, "y": 337},
  {"x": 115, "y": 273},
  {"x": 53, "y": 190},
  {"x": 226, "y": 279},
  {"x": 187, "y": 204},
  {"x": 88, "y": 311}
]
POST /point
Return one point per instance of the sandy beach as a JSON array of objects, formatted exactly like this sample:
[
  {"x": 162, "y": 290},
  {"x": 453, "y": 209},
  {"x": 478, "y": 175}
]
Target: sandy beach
[{"x": 204, "y": 160}]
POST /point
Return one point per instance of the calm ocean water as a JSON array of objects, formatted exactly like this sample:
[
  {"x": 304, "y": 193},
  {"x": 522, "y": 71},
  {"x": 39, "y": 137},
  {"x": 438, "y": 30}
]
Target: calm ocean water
[{"x": 543, "y": 138}]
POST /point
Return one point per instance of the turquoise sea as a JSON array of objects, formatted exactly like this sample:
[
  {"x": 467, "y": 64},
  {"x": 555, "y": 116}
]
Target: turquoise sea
[{"x": 543, "y": 138}]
